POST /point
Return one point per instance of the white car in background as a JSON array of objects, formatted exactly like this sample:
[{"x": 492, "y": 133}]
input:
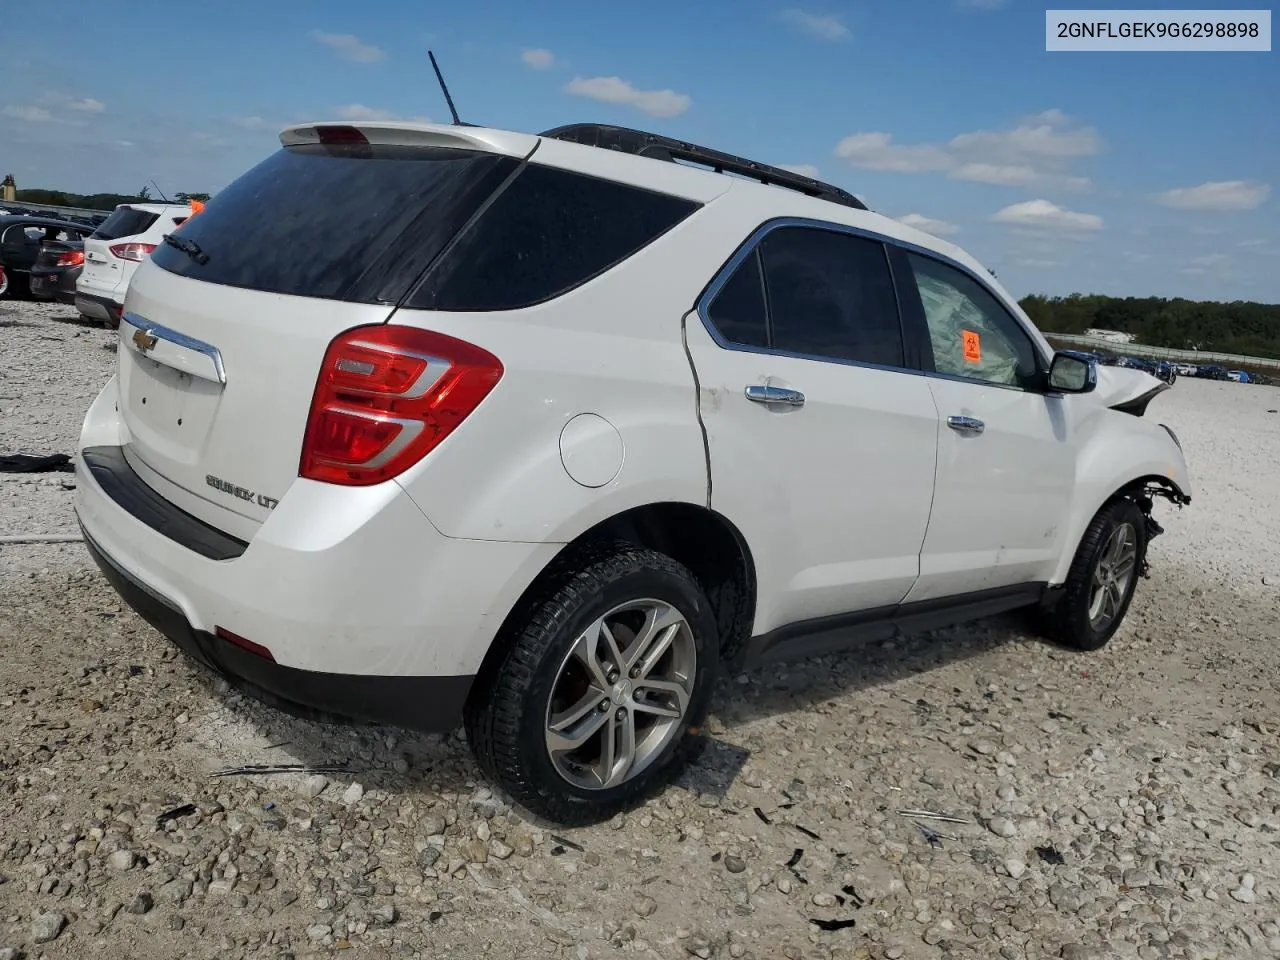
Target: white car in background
[
  {"x": 112, "y": 253},
  {"x": 424, "y": 425}
]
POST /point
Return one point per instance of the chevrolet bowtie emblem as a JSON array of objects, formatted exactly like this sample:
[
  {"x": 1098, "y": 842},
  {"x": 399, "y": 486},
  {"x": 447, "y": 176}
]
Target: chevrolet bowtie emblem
[{"x": 144, "y": 340}]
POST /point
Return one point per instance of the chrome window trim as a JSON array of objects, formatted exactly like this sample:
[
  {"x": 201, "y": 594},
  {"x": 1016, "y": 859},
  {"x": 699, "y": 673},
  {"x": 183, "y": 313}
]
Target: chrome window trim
[{"x": 179, "y": 339}]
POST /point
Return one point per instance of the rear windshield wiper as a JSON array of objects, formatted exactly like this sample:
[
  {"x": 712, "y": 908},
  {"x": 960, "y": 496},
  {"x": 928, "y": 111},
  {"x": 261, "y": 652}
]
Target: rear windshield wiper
[{"x": 189, "y": 247}]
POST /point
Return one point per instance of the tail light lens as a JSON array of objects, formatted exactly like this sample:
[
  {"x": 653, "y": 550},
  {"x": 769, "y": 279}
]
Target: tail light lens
[
  {"x": 72, "y": 258},
  {"x": 132, "y": 251},
  {"x": 386, "y": 397}
]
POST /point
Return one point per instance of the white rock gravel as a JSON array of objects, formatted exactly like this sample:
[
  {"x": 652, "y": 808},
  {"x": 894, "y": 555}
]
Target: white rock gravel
[{"x": 1141, "y": 780}]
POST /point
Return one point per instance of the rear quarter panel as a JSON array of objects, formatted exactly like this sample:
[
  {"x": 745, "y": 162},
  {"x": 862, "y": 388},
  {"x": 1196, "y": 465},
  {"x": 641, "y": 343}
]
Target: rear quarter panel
[{"x": 614, "y": 348}]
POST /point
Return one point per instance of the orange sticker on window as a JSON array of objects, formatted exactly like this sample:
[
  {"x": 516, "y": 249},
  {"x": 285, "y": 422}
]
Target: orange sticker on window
[{"x": 972, "y": 346}]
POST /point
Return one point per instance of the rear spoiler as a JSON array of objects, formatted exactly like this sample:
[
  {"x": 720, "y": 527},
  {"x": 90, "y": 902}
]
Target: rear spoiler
[{"x": 409, "y": 134}]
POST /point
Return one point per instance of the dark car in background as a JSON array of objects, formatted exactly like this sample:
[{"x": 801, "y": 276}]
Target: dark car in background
[
  {"x": 56, "y": 270},
  {"x": 21, "y": 238}
]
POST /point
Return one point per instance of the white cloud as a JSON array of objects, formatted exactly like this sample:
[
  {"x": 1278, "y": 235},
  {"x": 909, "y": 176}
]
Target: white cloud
[
  {"x": 1051, "y": 134},
  {"x": 359, "y": 113},
  {"x": 349, "y": 47},
  {"x": 1037, "y": 263},
  {"x": 803, "y": 169},
  {"x": 877, "y": 151},
  {"x": 539, "y": 59},
  {"x": 1037, "y": 151},
  {"x": 819, "y": 27},
  {"x": 87, "y": 105},
  {"x": 1002, "y": 175},
  {"x": 27, "y": 112},
  {"x": 939, "y": 228},
  {"x": 1044, "y": 215},
  {"x": 656, "y": 103},
  {"x": 251, "y": 123},
  {"x": 1217, "y": 195}
]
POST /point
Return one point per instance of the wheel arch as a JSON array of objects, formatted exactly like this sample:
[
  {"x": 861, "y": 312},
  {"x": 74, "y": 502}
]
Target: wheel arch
[
  {"x": 705, "y": 541},
  {"x": 1141, "y": 487}
]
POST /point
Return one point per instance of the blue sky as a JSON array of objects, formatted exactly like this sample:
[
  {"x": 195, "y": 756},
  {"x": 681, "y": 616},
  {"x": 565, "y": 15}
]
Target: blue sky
[{"x": 1119, "y": 173}]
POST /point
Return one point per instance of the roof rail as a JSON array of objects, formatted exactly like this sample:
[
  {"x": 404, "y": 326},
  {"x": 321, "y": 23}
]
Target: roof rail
[{"x": 664, "y": 148}]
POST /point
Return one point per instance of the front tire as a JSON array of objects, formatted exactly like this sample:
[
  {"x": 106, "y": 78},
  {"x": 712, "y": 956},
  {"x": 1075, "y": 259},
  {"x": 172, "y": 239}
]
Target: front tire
[
  {"x": 1102, "y": 580},
  {"x": 601, "y": 680}
]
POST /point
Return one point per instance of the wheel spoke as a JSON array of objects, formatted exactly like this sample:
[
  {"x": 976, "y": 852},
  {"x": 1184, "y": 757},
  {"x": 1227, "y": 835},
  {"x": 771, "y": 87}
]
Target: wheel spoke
[
  {"x": 672, "y": 690},
  {"x": 1124, "y": 565},
  {"x": 620, "y": 750},
  {"x": 661, "y": 624},
  {"x": 657, "y": 709},
  {"x": 586, "y": 651},
  {"x": 574, "y": 727},
  {"x": 616, "y": 660},
  {"x": 1117, "y": 598}
]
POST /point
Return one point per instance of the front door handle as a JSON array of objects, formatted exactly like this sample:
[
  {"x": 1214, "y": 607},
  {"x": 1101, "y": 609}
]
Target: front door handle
[
  {"x": 966, "y": 424},
  {"x": 762, "y": 393}
]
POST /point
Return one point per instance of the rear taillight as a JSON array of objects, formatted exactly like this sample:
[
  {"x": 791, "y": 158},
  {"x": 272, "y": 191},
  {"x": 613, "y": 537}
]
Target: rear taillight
[
  {"x": 132, "y": 251},
  {"x": 386, "y": 396},
  {"x": 72, "y": 258}
]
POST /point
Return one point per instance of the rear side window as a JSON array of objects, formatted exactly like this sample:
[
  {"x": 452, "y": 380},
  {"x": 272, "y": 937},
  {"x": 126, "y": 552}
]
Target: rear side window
[
  {"x": 347, "y": 222},
  {"x": 738, "y": 311},
  {"x": 549, "y": 231},
  {"x": 124, "y": 222},
  {"x": 826, "y": 294}
]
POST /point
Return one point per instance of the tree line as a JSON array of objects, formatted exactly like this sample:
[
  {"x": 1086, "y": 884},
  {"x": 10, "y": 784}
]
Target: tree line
[
  {"x": 98, "y": 201},
  {"x": 1239, "y": 327}
]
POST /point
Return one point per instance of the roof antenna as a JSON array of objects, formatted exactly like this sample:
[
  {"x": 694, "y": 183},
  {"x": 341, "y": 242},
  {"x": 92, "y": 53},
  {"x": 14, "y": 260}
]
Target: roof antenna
[
  {"x": 158, "y": 190},
  {"x": 445, "y": 90}
]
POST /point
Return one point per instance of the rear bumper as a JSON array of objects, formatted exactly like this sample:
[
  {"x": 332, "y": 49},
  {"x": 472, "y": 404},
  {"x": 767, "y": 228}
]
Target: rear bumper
[
  {"x": 99, "y": 308},
  {"x": 431, "y": 704},
  {"x": 368, "y": 611}
]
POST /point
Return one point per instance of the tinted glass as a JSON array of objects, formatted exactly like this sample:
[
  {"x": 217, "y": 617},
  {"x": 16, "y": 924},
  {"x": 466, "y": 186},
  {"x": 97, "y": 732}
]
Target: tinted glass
[
  {"x": 971, "y": 333},
  {"x": 549, "y": 231},
  {"x": 738, "y": 311},
  {"x": 831, "y": 295},
  {"x": 124, "y": 222},
  {"x": 344, "y": 222}
]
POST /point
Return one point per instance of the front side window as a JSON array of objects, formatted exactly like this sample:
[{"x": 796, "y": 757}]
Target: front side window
[{"x": 972, "y": 335}]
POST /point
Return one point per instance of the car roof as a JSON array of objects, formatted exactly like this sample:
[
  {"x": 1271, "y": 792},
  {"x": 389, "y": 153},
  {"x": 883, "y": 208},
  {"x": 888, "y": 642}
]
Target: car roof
[
  {"x": 695, "y": 172},
  {"x": 150, "y": 207},
  {"x": 40, "y": 222}
]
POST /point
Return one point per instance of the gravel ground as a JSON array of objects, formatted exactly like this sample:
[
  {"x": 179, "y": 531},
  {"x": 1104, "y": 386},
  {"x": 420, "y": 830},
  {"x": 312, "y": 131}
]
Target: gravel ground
[{"x": 1118, "y": 804}]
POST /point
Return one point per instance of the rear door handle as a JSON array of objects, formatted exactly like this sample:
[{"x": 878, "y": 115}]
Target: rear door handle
[
  {"x": 966, "y": 424},
  {"x": 762, "y": 393}
]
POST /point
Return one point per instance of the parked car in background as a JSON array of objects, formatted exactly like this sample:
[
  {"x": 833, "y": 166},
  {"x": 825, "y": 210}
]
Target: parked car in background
[
  {"x": 356, "y": 457},
  {"x": 114, "y": 250},
  {"x": 56, "y": 270},
  {"x": 1212, "y": 371},
  {"x": 21, "y": 238},
  {"x": 1239, "y": 376}
]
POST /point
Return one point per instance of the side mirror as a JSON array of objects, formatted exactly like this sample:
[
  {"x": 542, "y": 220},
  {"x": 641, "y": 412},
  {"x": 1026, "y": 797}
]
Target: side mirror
[{"x": 1072, "y": 372}]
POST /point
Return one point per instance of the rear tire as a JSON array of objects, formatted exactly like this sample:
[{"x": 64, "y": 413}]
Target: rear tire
[
  {"x": 626, "y": 694},
  {"x": 1102, "y": 579}
]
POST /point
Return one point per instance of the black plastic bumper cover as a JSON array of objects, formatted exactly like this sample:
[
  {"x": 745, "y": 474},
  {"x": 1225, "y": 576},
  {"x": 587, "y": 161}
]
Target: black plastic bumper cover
[{"x": 427, "y": 704}]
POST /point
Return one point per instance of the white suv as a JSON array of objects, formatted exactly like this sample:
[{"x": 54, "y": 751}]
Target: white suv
[
  {"x": 421, "y": 424},
  {"x": 114, "y": 251}
]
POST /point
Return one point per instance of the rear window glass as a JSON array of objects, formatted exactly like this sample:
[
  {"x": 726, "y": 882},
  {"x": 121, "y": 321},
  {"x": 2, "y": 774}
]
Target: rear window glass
[
  {"x": 549, "y": 231},
  {"x": 124, "y": 222},
  {"x": 340, "y": 221}
]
